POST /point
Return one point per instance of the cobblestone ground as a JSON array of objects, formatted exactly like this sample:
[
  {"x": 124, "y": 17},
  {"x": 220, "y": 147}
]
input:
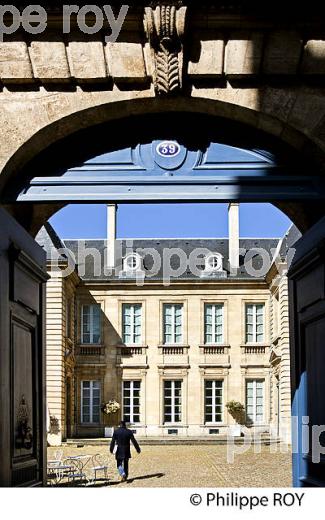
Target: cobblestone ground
[{"x": 196, "y": 466}]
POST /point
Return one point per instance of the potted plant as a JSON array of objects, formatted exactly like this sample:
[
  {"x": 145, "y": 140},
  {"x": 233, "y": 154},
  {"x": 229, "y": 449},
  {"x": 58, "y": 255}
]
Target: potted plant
[
  {"x": 110, "y": 409},
  {"x": 237, "y": 411}
]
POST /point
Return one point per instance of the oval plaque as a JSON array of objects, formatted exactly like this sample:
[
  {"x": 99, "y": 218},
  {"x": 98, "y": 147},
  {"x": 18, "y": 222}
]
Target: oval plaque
[{"x": 168, "y": 149}]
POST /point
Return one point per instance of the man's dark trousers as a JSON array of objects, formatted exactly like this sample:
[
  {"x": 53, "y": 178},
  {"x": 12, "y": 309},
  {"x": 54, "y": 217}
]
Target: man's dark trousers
[
  {"x": 125, "y": 465},
  {"x": 123, "y": 437}
]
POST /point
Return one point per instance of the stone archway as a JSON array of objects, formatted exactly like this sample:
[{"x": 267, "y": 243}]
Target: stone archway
[
  {"x": 265, "y": 72},
  {"x": 28, "y": 150},
  {"x": 147, "y": 114}
]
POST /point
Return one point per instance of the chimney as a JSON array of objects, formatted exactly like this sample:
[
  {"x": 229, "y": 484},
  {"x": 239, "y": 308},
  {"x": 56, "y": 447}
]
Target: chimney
[
  {"x": 111, "y": 235},
  {"x": 233, "y": 220}
]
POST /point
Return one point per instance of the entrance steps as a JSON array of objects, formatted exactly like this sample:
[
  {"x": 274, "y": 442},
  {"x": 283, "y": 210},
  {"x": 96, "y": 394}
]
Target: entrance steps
[{"x": 265, "y": 440}]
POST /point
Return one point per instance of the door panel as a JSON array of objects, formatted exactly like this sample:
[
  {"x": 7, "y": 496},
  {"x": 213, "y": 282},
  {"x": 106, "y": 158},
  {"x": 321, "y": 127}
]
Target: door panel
[
  {"x": 307, "y": 324},
  {"x": 22, "y": 357}
]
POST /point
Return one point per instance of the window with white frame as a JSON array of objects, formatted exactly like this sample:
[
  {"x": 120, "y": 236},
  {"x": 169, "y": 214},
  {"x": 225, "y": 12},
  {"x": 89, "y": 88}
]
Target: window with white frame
[
  {"x": 213, "y": 401},
  {"x": 172, "y": 401},
  {"x": 213, "y": 262},
  {"x": 131, "y": 401},
  {"x": 91, "y": 324},
  {"x": 172, "y": 324},
  {"x": 255, "y": 322},
  {"x": 213, "y": 323},
  {"x": 132, "y": 324},
  {"x": 255, "y": 400},
  {"x": 90, "y": 402},
  {"x": 132, "y": 262}
]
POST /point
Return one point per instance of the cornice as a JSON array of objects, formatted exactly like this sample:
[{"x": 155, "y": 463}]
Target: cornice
[{"x": 171, "y": 45}]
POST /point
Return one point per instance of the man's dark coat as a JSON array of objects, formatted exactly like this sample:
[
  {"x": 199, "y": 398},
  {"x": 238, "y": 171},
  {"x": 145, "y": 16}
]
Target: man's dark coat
[{"x": 122, "y": 437}]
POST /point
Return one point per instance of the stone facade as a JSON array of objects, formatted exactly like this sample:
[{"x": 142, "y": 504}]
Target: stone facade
[{"x": 110, "y": 360}]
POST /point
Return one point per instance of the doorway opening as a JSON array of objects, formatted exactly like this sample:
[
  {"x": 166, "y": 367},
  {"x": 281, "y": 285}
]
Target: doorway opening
[{"x": 227, "y": 162}]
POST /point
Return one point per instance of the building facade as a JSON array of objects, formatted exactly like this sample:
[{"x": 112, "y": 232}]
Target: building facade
[{"x": 172, "y": 340}]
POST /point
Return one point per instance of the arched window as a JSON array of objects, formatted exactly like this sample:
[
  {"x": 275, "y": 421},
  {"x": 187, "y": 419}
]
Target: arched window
[{"x": 213, "y": 262}]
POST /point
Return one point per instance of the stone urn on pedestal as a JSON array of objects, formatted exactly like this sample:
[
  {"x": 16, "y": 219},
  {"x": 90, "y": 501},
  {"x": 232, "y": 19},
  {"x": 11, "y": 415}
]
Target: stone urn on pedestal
[{"x": 110, "y": 410}]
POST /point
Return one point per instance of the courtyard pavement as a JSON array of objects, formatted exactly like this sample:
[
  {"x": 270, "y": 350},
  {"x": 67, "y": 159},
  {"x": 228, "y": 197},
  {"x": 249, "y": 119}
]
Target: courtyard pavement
[{"x": 195, "y": 466}]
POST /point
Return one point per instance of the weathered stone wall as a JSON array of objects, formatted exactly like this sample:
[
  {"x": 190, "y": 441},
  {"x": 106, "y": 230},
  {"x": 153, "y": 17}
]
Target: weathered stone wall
[
  {"x": 60, "y": 355},
  {"x": 245, "y": 70},
  {"x": 280, "y": 353},
  {"x": 55, "y": 353},
  {"x": 265, "y": 72},
  {"x": 285, "y": 385}
]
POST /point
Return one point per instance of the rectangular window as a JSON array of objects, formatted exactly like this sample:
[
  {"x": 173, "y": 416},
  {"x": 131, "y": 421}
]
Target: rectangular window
[
  {"x": 131, "y": 401},
  {"x": 172, "y": 324},
  {"x": 213, "y": 324},
  {"x": 90, "y": 402},
  {"x": 255, "y": 401},
  {"x": 255, "y": 323},
  {"x": 91, "y": 324},
  {"x": 132, "y": 324},
  {"x": 213, "y": 401},
  {"x": 172, "y": 401}
]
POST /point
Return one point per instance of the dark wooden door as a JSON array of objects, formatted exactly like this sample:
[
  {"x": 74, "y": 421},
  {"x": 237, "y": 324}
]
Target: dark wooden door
[
  {"x": 307, "y": 336},
  {"x": 22, "y": 357}
]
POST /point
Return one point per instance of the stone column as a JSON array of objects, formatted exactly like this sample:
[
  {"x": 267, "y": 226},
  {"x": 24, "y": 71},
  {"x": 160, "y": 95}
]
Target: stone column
[
  {"x": 111, "y": 235},
  {"x": 233, "y": 220}
]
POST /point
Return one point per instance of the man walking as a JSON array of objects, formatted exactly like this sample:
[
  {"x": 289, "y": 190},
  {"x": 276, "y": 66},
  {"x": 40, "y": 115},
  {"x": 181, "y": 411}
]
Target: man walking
[{"x": 122, "y": 437}]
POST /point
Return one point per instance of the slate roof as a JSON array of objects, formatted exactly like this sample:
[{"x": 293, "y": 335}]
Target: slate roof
[
  {"x": 157, "y": 255},
  {"x": 48, "y": 239},
  {"x": 290, "y": 238}
]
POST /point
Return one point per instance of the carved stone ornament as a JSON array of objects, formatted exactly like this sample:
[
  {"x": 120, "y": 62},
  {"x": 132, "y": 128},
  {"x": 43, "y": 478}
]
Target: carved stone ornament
[
  {"x": 165, "y": 27},
  {"x": 24, "y": 433}
]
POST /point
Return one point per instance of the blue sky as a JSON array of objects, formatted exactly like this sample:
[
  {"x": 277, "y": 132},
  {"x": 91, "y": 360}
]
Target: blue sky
[{"x": 169, "y": 220}]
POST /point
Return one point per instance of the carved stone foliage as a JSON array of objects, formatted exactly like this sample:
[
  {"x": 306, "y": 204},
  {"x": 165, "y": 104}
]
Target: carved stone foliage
[
  {"x": 24, "y": 433},
  {"x": 165, "y": 27}
]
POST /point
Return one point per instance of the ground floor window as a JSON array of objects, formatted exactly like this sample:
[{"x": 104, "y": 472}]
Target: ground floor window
[
  {"x": 90, "y": 401},
  {"x": 213, "y": 401},
  {"x": 172, "y": 401},
  {"x": 131, "y": 401},
  {"x": 255, "y": 400}
]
